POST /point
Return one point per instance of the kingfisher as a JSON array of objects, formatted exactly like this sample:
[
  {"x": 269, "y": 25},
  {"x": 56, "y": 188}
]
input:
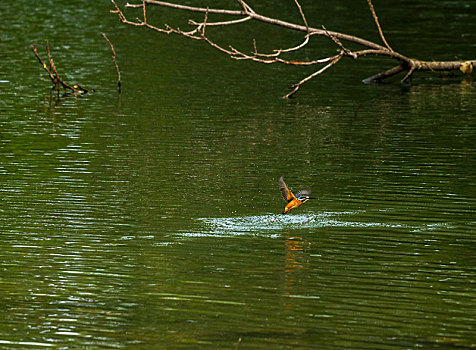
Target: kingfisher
[{"x": 293, "y": 200}]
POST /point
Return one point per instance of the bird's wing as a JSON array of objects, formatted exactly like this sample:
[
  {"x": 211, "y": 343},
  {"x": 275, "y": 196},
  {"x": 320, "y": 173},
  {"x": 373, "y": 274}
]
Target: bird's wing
[
  {"x": 285, "y": 191},
  {"x": 303, "y": 193}
]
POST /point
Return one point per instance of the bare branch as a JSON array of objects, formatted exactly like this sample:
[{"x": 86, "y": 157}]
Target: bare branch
[
  {"x": 374, "y": 14},
  {"x": 302, "y": 15},
  {"x": 43, "y": 64},
  {"x": 55, "y": 78},
  {"x": 188, "y": 8},
  {"x": 257, "y": 17},
  {"x": 224, "y": 23},
  {"x": 115, "y": 62},
  {"x": 246, "y": 13},
  {"x": 298, "y": 85},
  {"x": 338, "y": 43},
  {"x": 119, "y": 12},
  {"x": 216, "y": 46},
  {"x": 245, "y": 6},
  {"x": 272, "y": 58},
  {"x": 204, "y": 23},
  {"x": 278, "y": 52},
  {"x": 143, "y": 11},
  {"x": 295, "y": 48}
]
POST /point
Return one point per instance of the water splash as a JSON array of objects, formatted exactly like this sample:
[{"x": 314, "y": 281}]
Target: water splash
[{"x": 269, "y": 224}]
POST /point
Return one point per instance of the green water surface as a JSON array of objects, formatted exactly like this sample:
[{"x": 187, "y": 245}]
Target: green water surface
[{"x": 151, "y": 219}]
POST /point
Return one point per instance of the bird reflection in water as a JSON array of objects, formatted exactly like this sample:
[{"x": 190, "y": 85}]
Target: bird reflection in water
[{"x": 296, "y": 260}]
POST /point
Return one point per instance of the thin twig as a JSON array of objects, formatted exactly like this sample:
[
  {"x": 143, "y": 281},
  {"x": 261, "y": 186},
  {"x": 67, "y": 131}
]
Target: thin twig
[
  {"x": 262, "y": 58},
  {"x": 302, "y": 15},
  {"x": 374, "y": 14},
  {"x": 43, "y": 64},
  {"x": 52, "y": 65},
  {"x": 298, "y": 85},
  {"x": 338, "y": 43},
  {"x": 115, "y": 62},
  {"x": 143, "y": 11},
  {"x": 223, "y": 23},
  {"x": 245, "y": 6},
  {"x": 188, "y": 8},
  {"x": 204, "y": 24},
  {"x": 119, "y": 12},
  {"x": 277, "y": 52}
]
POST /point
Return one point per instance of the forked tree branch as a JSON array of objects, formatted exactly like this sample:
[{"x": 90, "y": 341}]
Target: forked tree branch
[
  {"x": 246, "y": 13},
  {"x": 53, "y": 73}
]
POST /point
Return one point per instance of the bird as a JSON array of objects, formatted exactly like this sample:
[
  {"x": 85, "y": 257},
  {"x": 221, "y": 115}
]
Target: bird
[{"x": 293, "y": 200}]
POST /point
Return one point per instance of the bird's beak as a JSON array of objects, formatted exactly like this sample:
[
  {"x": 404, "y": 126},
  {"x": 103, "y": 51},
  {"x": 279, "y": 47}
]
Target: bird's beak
[{"x": 312, "y": 198}]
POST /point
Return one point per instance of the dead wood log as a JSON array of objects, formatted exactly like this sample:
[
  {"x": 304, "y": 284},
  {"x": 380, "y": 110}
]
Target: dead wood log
[{"x": 246, "y": 13}]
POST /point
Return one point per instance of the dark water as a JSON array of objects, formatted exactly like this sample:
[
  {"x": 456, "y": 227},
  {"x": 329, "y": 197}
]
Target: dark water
[{"x": 151, "y": 219}]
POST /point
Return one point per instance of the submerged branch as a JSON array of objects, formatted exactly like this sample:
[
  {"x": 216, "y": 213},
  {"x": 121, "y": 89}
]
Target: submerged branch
[
  {"x": 53, "y": 73},
  {"x": 377, "y": 78}
]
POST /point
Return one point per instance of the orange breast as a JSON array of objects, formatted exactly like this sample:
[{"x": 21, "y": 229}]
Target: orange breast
[{"x": 293, "y": 204}]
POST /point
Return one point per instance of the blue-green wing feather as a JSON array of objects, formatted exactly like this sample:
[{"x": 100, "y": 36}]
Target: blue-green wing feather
[{"x": 303, "y": 193}]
